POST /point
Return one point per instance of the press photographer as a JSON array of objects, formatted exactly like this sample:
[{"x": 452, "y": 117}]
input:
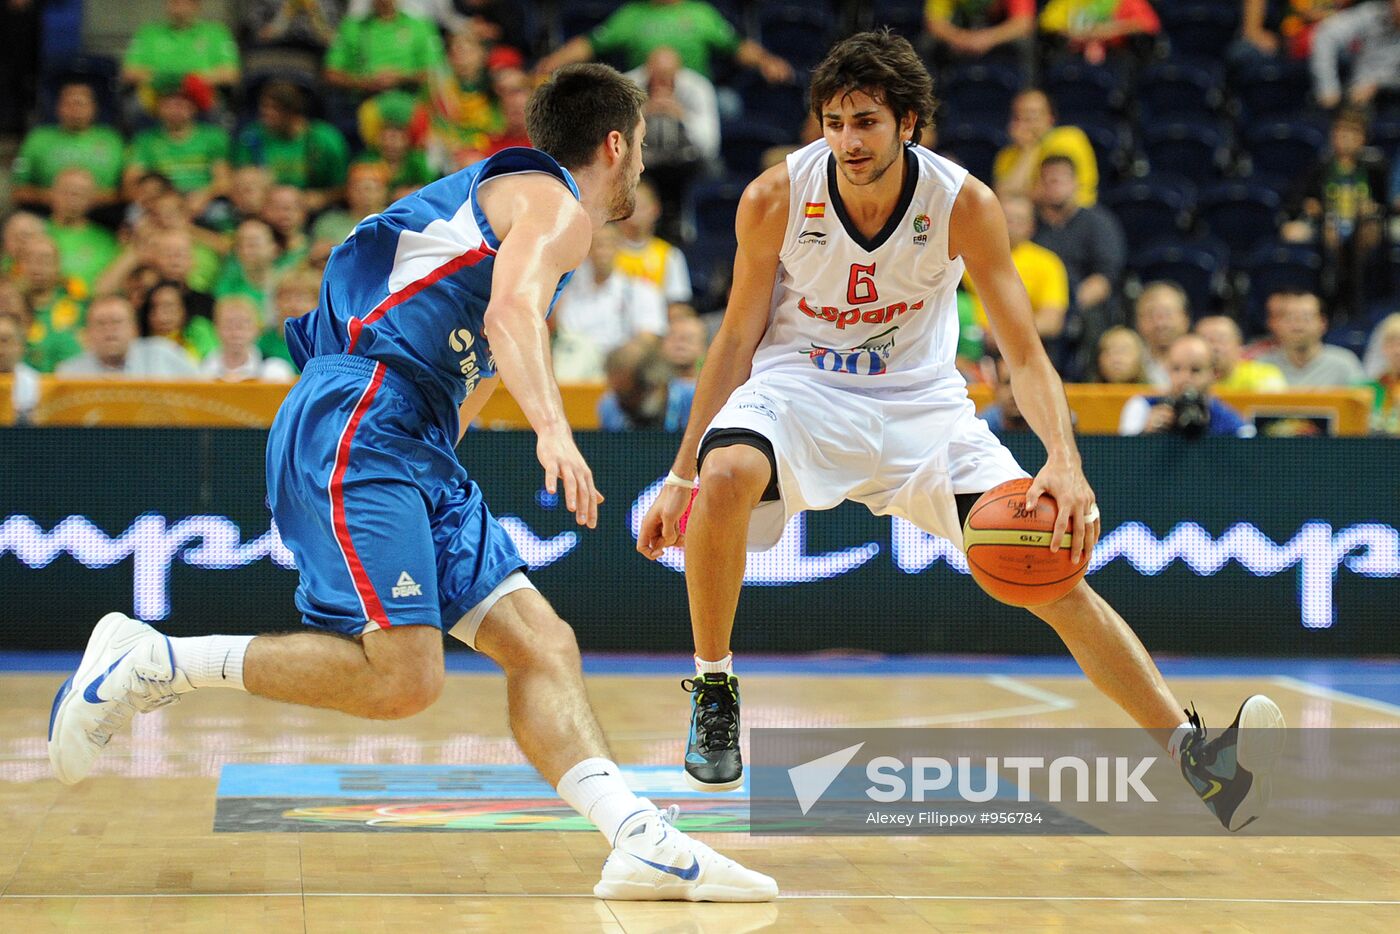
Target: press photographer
[{"x": 1189, "y": 409}]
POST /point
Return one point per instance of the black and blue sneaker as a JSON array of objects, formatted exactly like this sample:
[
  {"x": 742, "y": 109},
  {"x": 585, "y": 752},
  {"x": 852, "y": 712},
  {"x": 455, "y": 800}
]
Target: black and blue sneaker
[
  {"x": 712, "y": 760},
  {"x": 1231, "y": 772}
]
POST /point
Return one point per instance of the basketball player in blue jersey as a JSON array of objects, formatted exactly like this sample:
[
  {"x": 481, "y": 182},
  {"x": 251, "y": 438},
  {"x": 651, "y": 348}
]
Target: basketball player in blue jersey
[
  {"x": 832, "y": 378},
  {"x": 424, "y": 308}
]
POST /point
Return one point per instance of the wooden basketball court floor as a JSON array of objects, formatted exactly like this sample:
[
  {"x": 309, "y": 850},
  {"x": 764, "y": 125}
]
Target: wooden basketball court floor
[{"x": 133, "y": 848}]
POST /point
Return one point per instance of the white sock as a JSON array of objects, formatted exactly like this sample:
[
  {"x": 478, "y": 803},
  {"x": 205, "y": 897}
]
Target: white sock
[
  {"x": 1177, "y": 738},
  {"x": 595, "y": 788},
  {"x": 724, "y": 665},
  {"x": 211, "y": 661}
]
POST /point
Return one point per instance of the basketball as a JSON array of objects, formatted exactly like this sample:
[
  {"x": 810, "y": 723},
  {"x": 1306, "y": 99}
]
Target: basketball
[{"x": 1008, "y": 548}]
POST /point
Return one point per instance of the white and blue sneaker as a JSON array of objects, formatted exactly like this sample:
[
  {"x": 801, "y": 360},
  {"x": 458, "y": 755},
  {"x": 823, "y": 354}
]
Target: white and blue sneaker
[
  {"x": 128, "y": 668},
  {"x": 653, "y": 861}
]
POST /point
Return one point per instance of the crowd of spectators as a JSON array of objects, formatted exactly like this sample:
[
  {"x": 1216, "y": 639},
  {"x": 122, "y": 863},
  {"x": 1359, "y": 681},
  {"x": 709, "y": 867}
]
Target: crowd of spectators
[{"x": 1179, "y": 179}]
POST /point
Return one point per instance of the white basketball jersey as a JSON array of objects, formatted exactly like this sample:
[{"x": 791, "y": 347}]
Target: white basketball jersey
[{"x": 873, "y": 314}]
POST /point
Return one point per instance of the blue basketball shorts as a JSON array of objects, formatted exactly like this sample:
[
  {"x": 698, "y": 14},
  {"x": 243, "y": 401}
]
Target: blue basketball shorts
[{"x": 367, "y": 493}]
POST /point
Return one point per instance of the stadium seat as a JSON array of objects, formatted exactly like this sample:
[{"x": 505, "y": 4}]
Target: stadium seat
[
  {"x": 974, "y": 146},
  {"x": 1112, "y": 148},
  {"x": 905, "y": 17},
  {"x": 713, "y": 205},
  {"x": 1273, "y": 90},
  {"x": 1081, "y": 90},
  {"x": 580, "y": 16},
  {"x": 1385, "y": 136},
  {"x": 1180, "y": 90},
  {"x": 780, "y": 105},
  {"x": 1150, "y": 209},
  {"x": 1241, "y": 214},
  {"x": 1283, "y": 151},
  {"x": 743, "y": 143},
  {"x": 1193, "y": 150},
  {"x": 1270, "y": 267},
  {"x": 800, "y": 34},
  {"x": 982, "y": 89},
  {"x": 1200, "y": 31},
  {"x": 1195, "y": 267}
]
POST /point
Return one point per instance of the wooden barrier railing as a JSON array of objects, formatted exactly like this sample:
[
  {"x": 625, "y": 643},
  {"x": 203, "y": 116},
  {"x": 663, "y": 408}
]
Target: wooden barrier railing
[{"x": 253, "y": 405}]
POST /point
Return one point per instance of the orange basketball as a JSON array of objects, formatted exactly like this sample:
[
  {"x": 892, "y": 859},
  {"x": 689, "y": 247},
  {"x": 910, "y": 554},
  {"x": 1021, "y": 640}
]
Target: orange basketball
[{"x": 1008, "y": 548}]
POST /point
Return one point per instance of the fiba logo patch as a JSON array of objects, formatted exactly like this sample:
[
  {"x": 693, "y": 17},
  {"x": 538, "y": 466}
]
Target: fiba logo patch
[{"x": 921, "y": 226}]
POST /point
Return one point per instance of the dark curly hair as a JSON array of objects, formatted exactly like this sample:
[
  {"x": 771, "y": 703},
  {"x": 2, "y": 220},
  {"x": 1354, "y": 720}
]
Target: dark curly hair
[{"x": 882, "y": 64}]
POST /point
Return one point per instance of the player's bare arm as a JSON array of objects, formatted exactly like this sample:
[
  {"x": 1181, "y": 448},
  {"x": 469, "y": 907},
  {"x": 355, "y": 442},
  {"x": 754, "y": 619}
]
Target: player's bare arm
[
  {"x": 544, "y": 233},
  {"x": 760, "y": 225},
  {"x": 977, "y": 233}
]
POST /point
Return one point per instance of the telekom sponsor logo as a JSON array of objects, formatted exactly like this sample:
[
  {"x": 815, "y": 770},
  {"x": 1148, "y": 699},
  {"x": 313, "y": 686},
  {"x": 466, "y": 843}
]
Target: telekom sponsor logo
[{"x": 213, "y": 542}]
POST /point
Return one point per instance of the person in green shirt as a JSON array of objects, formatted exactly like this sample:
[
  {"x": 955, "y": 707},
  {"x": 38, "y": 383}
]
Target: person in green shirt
[
  {"x": 182, "y": 44},
  {"x": 84, "y": 248},
  {"x": 297, "y": 292},
  {"x": 310, "y": 154},
  {"x": 695, "y": 29},
  {"x": 256, "y": 259},
  {"x": 77, "y": 140},
  {"x": 165, "y": 313},
  {"x": 387, "y": 127},
  {"x": 387, "y": 49},
  {"x": 193, "y": 155},
  {"x": 58, "y": 306}
]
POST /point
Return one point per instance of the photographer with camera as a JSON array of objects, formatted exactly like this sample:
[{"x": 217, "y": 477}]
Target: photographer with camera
[{"x": 1189, "y": 410}]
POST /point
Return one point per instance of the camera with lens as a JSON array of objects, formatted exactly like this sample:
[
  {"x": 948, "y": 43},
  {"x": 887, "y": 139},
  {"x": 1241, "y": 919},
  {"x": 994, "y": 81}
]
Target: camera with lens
[{"x": 1191, "y": 414}]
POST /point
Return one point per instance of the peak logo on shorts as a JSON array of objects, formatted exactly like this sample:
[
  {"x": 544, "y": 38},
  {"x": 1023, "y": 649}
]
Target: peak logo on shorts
[{"x": 851, "y": 316}]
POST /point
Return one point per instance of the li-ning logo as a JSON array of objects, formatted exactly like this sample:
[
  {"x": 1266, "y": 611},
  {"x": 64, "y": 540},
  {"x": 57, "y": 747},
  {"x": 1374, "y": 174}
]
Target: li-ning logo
[{"x": 812, "y": 236}]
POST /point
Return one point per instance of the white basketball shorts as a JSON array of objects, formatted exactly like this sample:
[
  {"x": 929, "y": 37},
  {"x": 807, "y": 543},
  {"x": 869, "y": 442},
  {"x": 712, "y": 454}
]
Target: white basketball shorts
[{"x": 903, "y": 454}]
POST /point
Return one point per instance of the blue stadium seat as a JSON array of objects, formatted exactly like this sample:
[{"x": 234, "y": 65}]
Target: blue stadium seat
[
  {"x": 780, "y": 105},
  {"x": 1194, "y": 267},
  {"x": 1112, "y": 148},
  {"x": 743, "y": 143},
  {"x": 1150, "y": 209},
  {"x": 982, "y": 89},
  {"x": 580, "y": 16},
  {"x": 974, "y": 146},
  {"x": 1273, "y": 90},
  {"x": 800, "y": 34},
  {"x": 1081, "y": 90},
  {"x": 1193, "y": 150},
  {"x": 906, "y": 17},
  {"x": 1242, "y": 214},
  {"x": 1283, "y": 151},
  {"x": 1200, "y": 31},
  {"x": 1385, "y": 136},
  {"x": 713, "y": 205},
  {"x": 1270, "y": 267},
  {"x": 1180, "y": 90}
]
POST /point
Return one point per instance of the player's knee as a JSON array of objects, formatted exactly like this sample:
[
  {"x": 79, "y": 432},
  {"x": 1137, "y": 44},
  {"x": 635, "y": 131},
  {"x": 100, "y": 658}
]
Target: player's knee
[
  {"x": 408, "y": 668},
  {"x": 545, "y": 641},
  {"x": 737, "y": 473}
]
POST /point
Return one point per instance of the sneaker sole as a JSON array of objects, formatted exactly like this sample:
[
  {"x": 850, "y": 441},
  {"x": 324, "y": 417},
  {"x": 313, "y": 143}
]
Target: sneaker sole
[
  {"x": 1258, "y": 749},
  {"x": 713, "y": 787},
  {"x": 73, "y": 687},
  {"x": 644, "y": 892}
]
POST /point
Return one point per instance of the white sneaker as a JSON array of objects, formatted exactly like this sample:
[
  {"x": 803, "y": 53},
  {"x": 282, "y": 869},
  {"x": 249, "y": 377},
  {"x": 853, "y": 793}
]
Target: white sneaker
[
  {"x": 128, "y": 668},
  {"x": 653, "y": 861}
]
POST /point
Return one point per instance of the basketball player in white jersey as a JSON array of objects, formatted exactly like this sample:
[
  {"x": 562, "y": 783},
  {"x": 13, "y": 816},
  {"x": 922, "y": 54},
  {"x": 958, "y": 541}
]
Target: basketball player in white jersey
[{"x": 832, "y": 378}]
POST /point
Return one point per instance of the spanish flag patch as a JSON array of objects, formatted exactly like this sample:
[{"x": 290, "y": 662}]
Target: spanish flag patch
[{"x": 816, "y": 209}]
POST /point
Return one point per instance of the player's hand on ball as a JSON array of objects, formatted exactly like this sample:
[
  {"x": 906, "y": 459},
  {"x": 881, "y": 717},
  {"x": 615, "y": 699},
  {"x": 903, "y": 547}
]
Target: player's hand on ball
[
  {"x": 1078, "y": 509},
  {"x": 564, "y": 466},
  {"x": 662, "y": 526}
]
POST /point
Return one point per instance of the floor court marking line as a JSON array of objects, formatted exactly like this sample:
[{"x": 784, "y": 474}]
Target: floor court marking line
[
  {"x": 1332, "y": 694},
  {"x": 802, "y": 897},
  {"x": 1045, "y": 702}
]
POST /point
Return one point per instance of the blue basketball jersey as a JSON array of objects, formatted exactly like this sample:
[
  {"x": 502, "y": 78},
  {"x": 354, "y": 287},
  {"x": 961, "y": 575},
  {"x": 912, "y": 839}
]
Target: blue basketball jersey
[{"x": 409, "y": 287}]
